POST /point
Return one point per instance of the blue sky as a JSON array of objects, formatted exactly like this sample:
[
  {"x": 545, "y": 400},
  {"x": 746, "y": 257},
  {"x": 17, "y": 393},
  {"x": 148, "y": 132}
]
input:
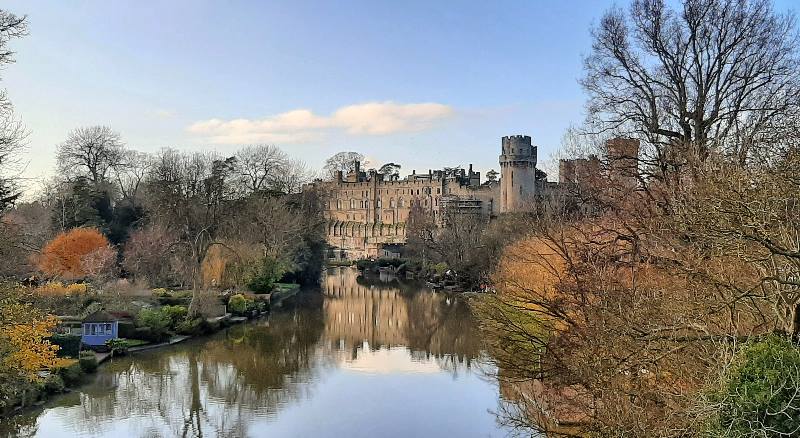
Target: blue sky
[{"x": 422, "y": 83}]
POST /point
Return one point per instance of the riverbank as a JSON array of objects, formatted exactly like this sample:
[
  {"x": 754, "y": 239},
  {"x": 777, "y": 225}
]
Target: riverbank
[
  {"x": 435, "y": 276},
  {"x": 84, "y": 362}
]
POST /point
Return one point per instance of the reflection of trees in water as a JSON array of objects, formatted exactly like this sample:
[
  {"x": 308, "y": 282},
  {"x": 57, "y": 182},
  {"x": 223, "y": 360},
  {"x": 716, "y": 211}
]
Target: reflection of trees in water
[
  {"x": 21, "y": 425},
  {"x": 213, "y": 388},
  {"x": 217, "y": 386},
  {"x": 431, "y": 325},
  {"x": 264, "y": 366}
]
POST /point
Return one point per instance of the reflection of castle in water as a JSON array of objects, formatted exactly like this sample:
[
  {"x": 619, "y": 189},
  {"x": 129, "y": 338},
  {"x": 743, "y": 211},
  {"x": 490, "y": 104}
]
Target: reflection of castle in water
[
  {"x": 221, "y": 385},
  {"x": 386, "y": 316}
]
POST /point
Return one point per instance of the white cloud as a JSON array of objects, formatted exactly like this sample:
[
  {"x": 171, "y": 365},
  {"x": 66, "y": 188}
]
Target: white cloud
[{"x": 302, "y": 125}]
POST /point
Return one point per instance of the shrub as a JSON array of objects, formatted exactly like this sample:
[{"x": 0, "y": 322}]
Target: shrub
[
  {"x": 239, "y": 304},
  {"x": 161, "y": 292},
  {"x": 118, "y": 346},
  {"x": 168, "y": 297},
  {"x": 146, "y": 334},
  {"x": 53, "y": 384},
  {"x": 760, "y": 393},
  {"x": 69, "y": 345},
  {"x": 71, "y": 374},
  {"x": 193, "y": 327},
  {"x": 88, "y": 361},
  {"x": 269, "y": 271},
  {"x": 157, "y": 321},
  {"x": 57, "y": 288},
  {"x": 440, "y": 268},
  {"x": 176, "y": 314}
]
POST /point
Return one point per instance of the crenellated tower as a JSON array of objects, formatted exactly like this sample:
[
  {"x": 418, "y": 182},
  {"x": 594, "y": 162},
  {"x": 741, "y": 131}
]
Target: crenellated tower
[{"x": 517, "y": 174}]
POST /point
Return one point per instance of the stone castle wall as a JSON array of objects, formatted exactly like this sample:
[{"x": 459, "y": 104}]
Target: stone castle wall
[{"x": 366, "y": 211}]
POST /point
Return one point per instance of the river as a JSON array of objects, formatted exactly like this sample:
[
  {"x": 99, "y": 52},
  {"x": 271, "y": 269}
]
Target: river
[{"x": 357, "y": 358}]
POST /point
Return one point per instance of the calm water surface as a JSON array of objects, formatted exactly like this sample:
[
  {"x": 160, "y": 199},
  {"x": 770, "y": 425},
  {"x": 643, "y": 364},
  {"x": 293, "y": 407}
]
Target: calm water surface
[{"x": 358, "y": 359}]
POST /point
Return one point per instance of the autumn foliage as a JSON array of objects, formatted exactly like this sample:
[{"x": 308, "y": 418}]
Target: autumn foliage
[
  {"x": 24, "y": 348},
  {"x": 57, "y": 288},
  {"x": 71, "y": 253}
]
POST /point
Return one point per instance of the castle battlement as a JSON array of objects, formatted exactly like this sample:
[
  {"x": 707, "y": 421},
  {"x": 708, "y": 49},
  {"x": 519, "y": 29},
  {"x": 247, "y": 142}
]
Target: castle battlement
[{"x": 366, "y": 210}]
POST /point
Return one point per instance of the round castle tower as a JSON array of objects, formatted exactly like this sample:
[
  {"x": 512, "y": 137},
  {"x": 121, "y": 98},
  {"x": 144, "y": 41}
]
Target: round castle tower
[{"x": 517, "y": 174}]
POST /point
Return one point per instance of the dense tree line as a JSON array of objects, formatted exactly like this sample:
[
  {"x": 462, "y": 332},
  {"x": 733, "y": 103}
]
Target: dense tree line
[{"x": 173, "y": 219}]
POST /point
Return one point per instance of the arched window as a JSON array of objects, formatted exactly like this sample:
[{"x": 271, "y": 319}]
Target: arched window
[{"x": 402, "y": 202}]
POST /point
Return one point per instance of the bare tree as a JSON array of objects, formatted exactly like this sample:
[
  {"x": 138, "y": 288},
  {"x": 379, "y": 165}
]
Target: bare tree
[
  {"x": 269, "y": 222},
  {"x": 192, "y": 195},
  {"x": 260, "y": 166},
  {"x": 709, "y": 77},
  {"x": 12, "y": 132},
  {"x": 130, "y": 174},
  {"x": 293, "y": 175},
  {"x": 342, "y": 161},
  {"x": 92, "y": 153}
]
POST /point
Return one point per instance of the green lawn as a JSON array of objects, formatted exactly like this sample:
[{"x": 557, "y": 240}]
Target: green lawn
[{"x": 134, "y": 342}]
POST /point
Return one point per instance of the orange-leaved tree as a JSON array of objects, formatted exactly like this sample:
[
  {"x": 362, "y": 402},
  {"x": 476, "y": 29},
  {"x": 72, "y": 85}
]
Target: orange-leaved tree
[{"x": 66, "y": 255}]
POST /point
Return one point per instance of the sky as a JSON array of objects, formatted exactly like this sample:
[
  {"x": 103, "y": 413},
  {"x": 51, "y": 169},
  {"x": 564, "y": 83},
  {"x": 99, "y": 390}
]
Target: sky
[{"x": 425, "y": 84}]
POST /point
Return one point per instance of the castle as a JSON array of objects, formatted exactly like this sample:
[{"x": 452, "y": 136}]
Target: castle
[{"x": 367, "y": 210}]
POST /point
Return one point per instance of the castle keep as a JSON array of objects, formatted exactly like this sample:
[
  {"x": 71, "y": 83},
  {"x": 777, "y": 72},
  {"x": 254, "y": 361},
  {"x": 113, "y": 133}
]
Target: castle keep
[
  {"x": 366, "y": 210},
  {"x": 517, "y": 173}
]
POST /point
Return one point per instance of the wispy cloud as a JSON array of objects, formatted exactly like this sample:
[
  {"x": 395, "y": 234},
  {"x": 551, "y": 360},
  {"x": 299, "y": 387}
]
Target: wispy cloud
[
  {"x": 163, "y": 113},
  {"x": 302, "y": 125}
]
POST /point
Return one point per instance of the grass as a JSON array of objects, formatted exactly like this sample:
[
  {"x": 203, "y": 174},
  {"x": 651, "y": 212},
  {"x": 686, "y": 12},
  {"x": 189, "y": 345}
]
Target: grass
[{"x": 134, "y": 342}]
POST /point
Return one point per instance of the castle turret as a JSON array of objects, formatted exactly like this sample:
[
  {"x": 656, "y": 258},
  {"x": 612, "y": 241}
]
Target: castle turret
[
  {"x": 517, "y": 174},
  {"x": 623, "y": 160}
]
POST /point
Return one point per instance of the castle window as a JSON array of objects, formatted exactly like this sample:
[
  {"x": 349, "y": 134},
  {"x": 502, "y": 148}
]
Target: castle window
[
  {"x": 402, "y": 202},
  {"x": 379, "y": 203},
  {"x": 392, "y": 203},
  {"x": 338, "y": 204},
  {"x": 438, "y": 190}
]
